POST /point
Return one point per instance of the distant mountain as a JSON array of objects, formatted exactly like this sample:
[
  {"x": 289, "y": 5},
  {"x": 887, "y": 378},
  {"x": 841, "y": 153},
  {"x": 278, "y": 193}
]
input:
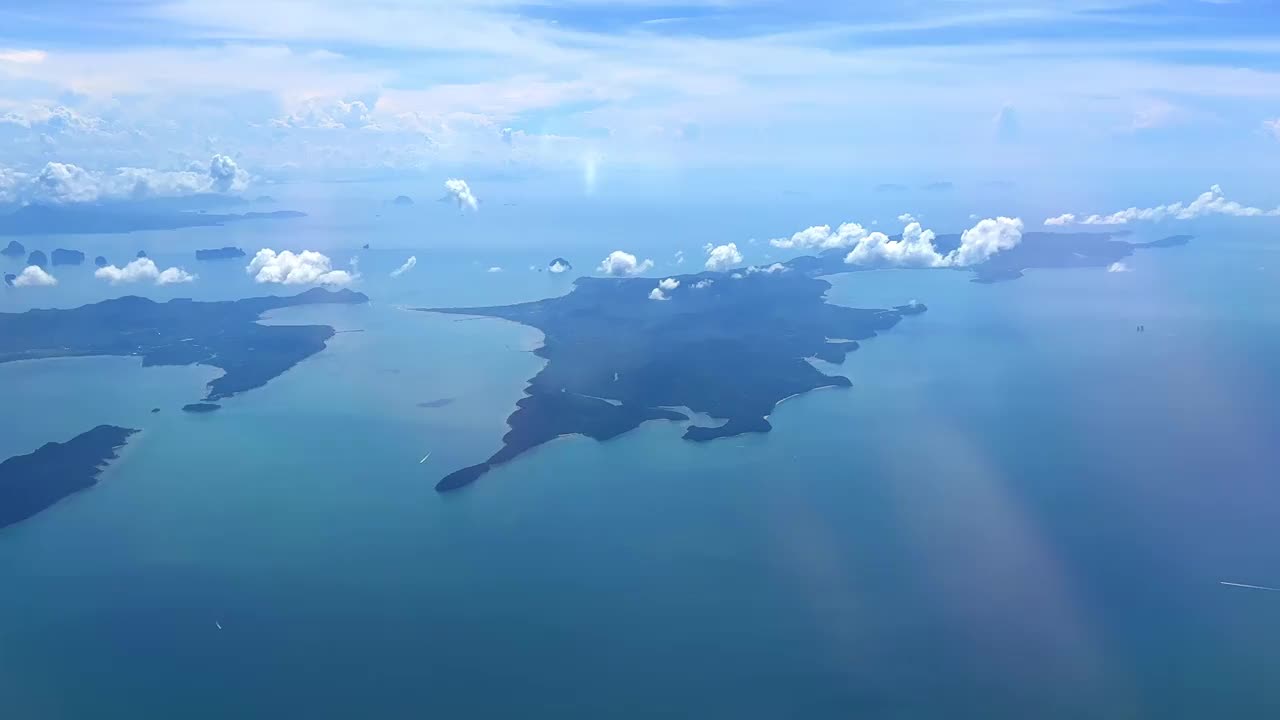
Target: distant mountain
[
  {"x": 13, "y": 249},
  {"x": 225, "y": 253}
]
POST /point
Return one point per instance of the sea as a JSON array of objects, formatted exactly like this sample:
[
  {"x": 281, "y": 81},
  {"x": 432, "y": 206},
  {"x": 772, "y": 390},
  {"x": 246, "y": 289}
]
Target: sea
[{"x": 1023, "y": 507}]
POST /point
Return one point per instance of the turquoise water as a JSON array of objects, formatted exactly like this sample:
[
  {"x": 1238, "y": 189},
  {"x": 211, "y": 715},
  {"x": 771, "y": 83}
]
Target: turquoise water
[{"x": 1022, "y": 508}]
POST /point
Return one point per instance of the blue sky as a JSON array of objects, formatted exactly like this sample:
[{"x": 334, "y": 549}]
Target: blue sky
[{"x": 963, "y": 90}]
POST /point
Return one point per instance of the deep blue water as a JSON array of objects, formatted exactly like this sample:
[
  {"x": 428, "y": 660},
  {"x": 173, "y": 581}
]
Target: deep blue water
[{"x": 1022, "y": 508}]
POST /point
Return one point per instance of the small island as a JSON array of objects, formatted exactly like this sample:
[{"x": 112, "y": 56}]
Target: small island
[
  {"x": 559, "y": 265},
  {"x": 62, "y": 256},
  {"x": 732, "y": 349},
  {"x": 100, "y": 261},
  {"x": 224, "y": 253},
  {"x": 201, "y": 407},
  {"x": 14, "y": 249},
  {"x": 437, "y": 403},
  {"x": 38, "y": 258},
  {"x": 141, "y": 254},
  {"x": 224, "y": 335},
  {"x": 9, "y": 278},
  {"x": 402, "y": 200},
  {"x": 33, "y": 482}
]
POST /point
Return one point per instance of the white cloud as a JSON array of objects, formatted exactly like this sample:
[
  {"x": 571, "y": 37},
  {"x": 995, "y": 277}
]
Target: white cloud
[
  {"x": 328, "y": 114},
  {"x": 305, "y": 268},
  {"x": 1063, "y": 219},
  {"x": 769, "y": 269},
  {"x": 52, "y": 118},
  {"x": 558, "y": 267},
  {"x": 1210, "y": 202},
  {"x": 669, "y": 284},
  {"x": 820, "y": 237},
  {"x": 657, "y": 294},
  {"x": 988, "y": 237},
  {"x": 494, "y": 269},
  {"x": 736, "y": 276},
  {"x": 916, "y": 249},
  {"x": 906, "y": 218},
  {"x": 23, "y": 57},
  {"x": 461, "y": 192},
  {"x": 406, "y": 267},
  {"x": 1117, "y": 267},
  {"x": 143, "y": 269},
  {"x": 1273, "y": 127},
  {"x": 63, "y": 183},
  {"x": 679, "y": 256},
  {"x": 621, "y": 263},
  {"x": 722, "y": 257},
  {"x": 34, "y": 276},
  {"x": 702, "y": 284}
]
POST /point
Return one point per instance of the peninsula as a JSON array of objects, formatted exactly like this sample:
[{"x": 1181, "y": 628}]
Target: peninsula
[
  {"x": 730, "y": 348},
  {"x": 35, "y": 481},
  {"x": 224, "y": 335}
]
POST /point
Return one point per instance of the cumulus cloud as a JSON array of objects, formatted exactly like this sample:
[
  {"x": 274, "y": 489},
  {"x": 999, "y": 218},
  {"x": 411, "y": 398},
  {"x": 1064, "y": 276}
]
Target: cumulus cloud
[
  {"x": 916, "y": 249},
  {"x": 702, "y": 284},
  {"x": 1117, "y": 267},
  {"x": 722, "y": 257},
  {"x": 669, "y": 284},
  {"x": 406, "y": 267},
  {"x": 305, "y": 268},
  {"x": 143, "y": 269},
  {"x": 657, "y": 294},
  {"x": 461, "y": 193},
  {"x": 821, "y": 237},
  {"x": 679, "y": 256},
  {"x": 65, "y": 183},
  {"x": 621, "y": 264},
  {"x": 225, "y": 174},
  {"x": 494, "y": 269},
  {"x": 768, "y": 269},
  {"x": 1210, "y": 202},
  {"x": 906, "y": 218},
  {"x": 558, "y": 267},
  {"x": 328, "y": 114},
  {"x": 34, "y": 276},
  {"x": 51, "y": 118}
]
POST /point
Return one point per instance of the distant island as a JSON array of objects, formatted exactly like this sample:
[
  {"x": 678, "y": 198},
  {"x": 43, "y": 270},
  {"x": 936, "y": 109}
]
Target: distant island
[
  {"x": 100, "y": 261},
  {"x": 62, "y": 256},
  {"x": 225, "y": 253},
  {"x": 402, "y": 200},
  {"x": 730, "y": 348},
  {"x": 224, "y": 335},
  {"x": 9, "y": 278},
  {"x": 202, "y": 407},
  {"x": 437, "y": 403},
  {"x": 559, "y": 265},
  {"x": 731, "y": 345},
  {"x": 14, "y": 249},
  {"x": 116, "y": 218},
  {"x": 38, "y": 258},
  {"x": 33, "y": 482}
]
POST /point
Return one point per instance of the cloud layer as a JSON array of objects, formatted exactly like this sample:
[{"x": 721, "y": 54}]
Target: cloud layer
[
  {"x": 143, "y": 269},
  {"x": 1211, "y": 202},
  {"x": 287, "y": 268},
  {"x": 66, "y": 183},
  {"x": 915, "y": 247}
]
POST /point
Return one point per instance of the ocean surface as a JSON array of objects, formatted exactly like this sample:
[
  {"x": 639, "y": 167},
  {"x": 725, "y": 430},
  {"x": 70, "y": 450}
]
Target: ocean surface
[{"x": 1022, "y": 507}]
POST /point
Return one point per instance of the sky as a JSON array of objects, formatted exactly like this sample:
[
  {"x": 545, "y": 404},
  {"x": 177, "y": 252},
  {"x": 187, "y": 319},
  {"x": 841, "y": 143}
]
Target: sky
[{"x": 982, "y": 93}]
